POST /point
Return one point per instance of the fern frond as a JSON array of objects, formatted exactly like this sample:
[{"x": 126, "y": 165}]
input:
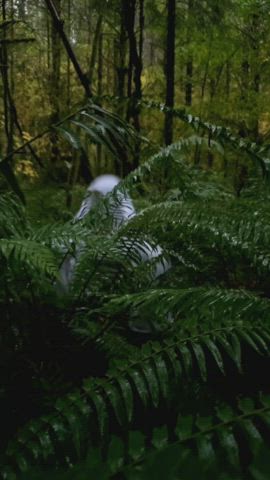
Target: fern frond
[
  {"x": 214, "y": 442},
  {"x": 205, "y": 447},
  {"x": 208, "y": 304},
  {"x": 148, "y": 381},
  {"x": 225, "y": 238},
  {"x": 102, "y": 128},
  {"x": 12, "y": 218},
  {"x": 29, "y": 253},
  {"x": 222, "y": 134},
  {"x": 188, "y": 178}
]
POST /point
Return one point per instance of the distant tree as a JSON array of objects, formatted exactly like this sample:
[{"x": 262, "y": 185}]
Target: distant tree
[{"x": 170, "y": 70}]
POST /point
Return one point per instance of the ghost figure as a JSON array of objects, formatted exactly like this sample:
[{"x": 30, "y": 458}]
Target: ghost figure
[{"x": 122, "y": 210}]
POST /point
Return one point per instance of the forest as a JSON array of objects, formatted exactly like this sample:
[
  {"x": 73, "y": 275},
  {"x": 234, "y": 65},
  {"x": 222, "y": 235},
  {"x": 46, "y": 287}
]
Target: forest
[{"x": 134, "y": 239}]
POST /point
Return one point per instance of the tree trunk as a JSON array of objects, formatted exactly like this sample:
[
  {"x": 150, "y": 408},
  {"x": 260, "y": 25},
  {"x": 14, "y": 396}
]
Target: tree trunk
[
  {"x": 68, "y": 60},
  {"x": 228, "y": 79},
  {"x": 55, "y": 90},
  {"x": 99, "y": 92},
  {"x": 59, "y": 28},
  {"x": 189, "y": 87},
  {"x": 189, "y": 64},
  {"x": 5, "y": 73},
  {"x": 170, "y": 70},
  {"x": 95, "y": 47},
  {"x": 135, "y": 70},
  {"x": 135, "y": 62},
  {"x": 21, "y": 9},
  {"x": 121, "y": 68}
]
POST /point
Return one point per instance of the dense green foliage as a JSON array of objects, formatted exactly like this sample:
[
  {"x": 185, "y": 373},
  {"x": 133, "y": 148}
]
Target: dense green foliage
[
  {"x": 128, "y": 374},
  {"x": 109, "y": 401}
]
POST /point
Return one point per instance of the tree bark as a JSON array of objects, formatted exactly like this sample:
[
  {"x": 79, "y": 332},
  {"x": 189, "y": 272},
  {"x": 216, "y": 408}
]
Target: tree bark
[
  {"x": 55, "y": 90},
  {"x": 135, "y": 60},
  {"x": 189, "y": 64},
  {"x": 95, "y": 47},
  {"x": 189, "y": 86},
  {"x": 134, "y": 71},
  {"x": 68, "y": 60},
  {"x": 170, "y": 70},
  {"x": 21, "y": 8},
  {"x": 100, "y": 75},
  {"x": 122, "y": 68},
  {"x": 8, "y": 114},
  {"x": 59, "y": 27}
]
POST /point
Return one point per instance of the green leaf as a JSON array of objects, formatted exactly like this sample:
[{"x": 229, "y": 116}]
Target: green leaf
[
  {"x": 138, "y": 380},
  {"x": 232, "y": 348},
  {"x": 252, "y": 435},
  {"x": 229, "y": 446},
  {"x": 200, "y": 357},
  {"x": 115, "y": 454},
  {"x": 136, "y": 444},
  {"x": 246, "y": 405},
  {"x": 247, "y": 336},
  {"x": 160, "y": 437},
  {"x": 152, "y": 381},
  {"x": 186, "y": 357},
  {"x": 215, "y": 352},
  {"x": 70, "y": 136},
  {"x": 127, "y": 395},
  {"x": 225, "y": 412},
  {"x": 184, "y": 427},
  {"x": 162, "y": 375},
  {"x": 101, "y": 412},
  {"x": 206, "y": 450},
  {"x": 114, "y": 398},
  {"x": 8, "y": 173},
  {"x": 97, "y": 136}
]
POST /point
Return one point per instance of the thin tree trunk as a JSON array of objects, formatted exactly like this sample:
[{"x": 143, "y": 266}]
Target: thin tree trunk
[
  {"x": 8, "y": 116},
  {"x": 11, "y": 85},
  {"x": 121, "y": 68},
  {"x": 135, "y": 71},
  {"x": 55, "y": 84},
  {"x": 68, "y": 60},
  {"x": 135, "y": 62},
  {"x": 21, "y": 8},
  {"x": 228, "y": 79},
  {"x": 189, "y": 64},
  {"x": 59, "y": 27},
  {"x": 141, "y": 24},
  {"x": 5, "y": 166},
  {"x": 170, "y": 70},
  {"x": 189, "y": 86},
  {"x": 100, "y": 75},
  {"x": 255, "y": 44},
  {"x": 95, "y": 47},
  {"x": 11, "y": 119},
  {"x": 48, "y": 30}
]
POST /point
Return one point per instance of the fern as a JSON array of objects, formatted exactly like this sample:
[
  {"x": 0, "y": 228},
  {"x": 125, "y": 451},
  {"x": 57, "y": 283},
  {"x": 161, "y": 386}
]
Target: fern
[
  {"x": 207, "y": 304},
  {"x": 17, "y": 246},
  {"x": 202, "y": 446},
  {"x": 148, "y": 381},
  {"x": 102, "y": 128},
  {"x": 189, "y": 396},
  {"x": 223, "y": 135},
  {"x": 30, "y": 253}
]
